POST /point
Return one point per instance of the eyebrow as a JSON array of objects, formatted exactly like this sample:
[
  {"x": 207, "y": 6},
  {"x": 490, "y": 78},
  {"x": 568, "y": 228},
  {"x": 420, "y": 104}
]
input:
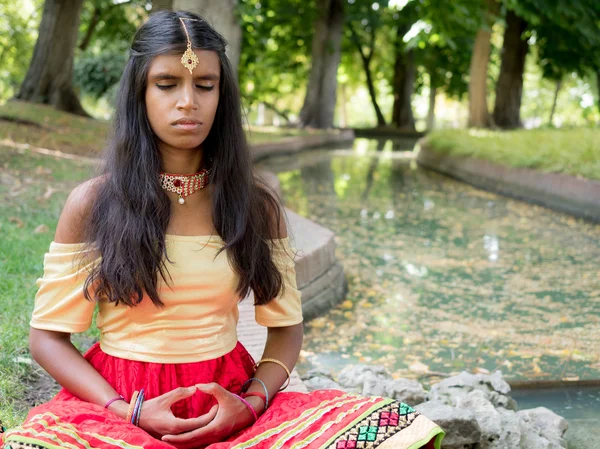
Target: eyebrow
[{"x": 168, "y": 76}]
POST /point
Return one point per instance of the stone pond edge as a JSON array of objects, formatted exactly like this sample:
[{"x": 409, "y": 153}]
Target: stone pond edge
[{"x": 575, "y": 196}]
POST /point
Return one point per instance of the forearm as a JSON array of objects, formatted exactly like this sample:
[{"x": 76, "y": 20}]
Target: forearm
[
  {"x": 57, "y": 355},
  {"x": 283, "y": 344}
]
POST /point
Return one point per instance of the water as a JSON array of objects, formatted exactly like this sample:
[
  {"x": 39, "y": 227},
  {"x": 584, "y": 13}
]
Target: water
[
  {"x": 444, "y": 277},
  {"x": 580, "y": 406}
]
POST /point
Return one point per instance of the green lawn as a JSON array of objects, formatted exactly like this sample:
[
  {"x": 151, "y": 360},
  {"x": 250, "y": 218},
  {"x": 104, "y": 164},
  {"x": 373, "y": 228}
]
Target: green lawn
[
  {"x": 33, "y": 188},
  {"x": 571, "y": 151}
]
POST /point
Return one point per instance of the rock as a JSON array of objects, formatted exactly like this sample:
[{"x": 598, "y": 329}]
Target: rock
[
  {"x": 316, "y": 372},
  {"x": 321, "y": 383},
  {"x": 493, "y": 386},
  {"x": 352, "y": 377},
  {"x": 460, "y": 425},
  {"x": 500, "y": 400},
  {"x": 500, "y": 428},
  {"x": 542, "y": 428},
  {"x": 403, "y": 390}
]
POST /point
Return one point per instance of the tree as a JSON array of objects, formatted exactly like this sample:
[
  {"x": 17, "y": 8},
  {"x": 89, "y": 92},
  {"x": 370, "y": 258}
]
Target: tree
[
  {"x": 567, "y": 38},
  {"x": 320, "y": 99},
  {"x": 364, "y": 39},
  {"x": 110, "y": 23},
  {"x": 404, "y": 68},
  {"x": 478, "y": 71},
  {"x": 222, "y": 16},
  {"x": 274, "y": 64},
  {"x": 509, "y": 87},
  {"x": 50, "y": 75}
]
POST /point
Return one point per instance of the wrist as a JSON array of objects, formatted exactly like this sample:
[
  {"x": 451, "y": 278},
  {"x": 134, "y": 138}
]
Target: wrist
[
  {"x": 119, "y": 408},
  {"x": 256, "y": 403}
]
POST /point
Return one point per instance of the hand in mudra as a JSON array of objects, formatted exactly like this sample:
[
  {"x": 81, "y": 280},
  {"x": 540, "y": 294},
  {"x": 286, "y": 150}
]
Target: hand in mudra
[
  {"x": 157, "y": 418},
  {"x": 232, "y": 415}
]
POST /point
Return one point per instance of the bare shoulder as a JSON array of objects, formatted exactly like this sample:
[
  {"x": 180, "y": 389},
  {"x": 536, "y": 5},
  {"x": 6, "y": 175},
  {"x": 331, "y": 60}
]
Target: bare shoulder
[{"x": 70, "y": 227}]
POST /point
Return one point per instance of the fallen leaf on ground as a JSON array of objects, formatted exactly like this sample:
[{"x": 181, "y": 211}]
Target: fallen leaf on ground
[
  {"x": 17, "y": 221},
  {"x": 41, "y": 229}
]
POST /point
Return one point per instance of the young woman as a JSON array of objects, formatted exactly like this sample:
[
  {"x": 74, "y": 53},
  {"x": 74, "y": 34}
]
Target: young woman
[{"x": 166, "y": 242}]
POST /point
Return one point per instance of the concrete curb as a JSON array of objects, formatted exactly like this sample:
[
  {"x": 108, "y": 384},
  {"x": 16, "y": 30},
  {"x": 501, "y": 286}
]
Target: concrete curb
[
  {"x": 565, "y": 193},
  {"x": 299, "y": 143}
]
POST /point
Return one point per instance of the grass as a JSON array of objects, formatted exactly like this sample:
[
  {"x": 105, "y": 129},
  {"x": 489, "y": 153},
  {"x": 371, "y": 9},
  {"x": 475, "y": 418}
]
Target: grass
[
  {"x": 33, "y": 188},
  {"x": 42, "y": 126},
  {"x": 571, "y": 151}
]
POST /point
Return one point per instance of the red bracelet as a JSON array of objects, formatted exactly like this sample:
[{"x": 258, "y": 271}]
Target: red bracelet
[
  {"x": 257, "y": 394},
  {"x": 120, "y": 398}
]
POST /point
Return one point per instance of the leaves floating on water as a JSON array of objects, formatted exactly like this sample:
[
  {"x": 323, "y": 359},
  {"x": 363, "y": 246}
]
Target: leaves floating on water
[{"x": 447, "y": 276}]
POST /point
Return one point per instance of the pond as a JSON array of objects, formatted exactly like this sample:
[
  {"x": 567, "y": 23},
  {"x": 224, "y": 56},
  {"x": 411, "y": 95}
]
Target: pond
[
  {"x": 444, "y": 277},
  {"x": 579, "y": 405}
]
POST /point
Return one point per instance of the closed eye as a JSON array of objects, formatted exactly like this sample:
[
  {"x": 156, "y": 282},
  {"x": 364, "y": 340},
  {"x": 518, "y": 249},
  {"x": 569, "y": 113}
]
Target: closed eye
[{"x": 167, "y": 87}]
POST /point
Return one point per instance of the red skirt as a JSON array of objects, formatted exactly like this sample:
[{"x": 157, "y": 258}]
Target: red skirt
[{"x": 321, "y": 419}]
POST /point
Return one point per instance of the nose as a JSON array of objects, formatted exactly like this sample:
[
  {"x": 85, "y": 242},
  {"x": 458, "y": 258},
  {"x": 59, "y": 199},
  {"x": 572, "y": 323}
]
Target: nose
[{"x": 187, "y": 99}]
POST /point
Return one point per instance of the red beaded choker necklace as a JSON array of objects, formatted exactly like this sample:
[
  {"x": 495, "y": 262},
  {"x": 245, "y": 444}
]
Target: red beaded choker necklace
[{"x": 184, "y": 185}]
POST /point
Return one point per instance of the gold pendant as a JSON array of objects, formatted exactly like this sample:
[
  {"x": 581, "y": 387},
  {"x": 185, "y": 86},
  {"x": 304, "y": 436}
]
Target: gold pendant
[{"x": 189, "y": 59}]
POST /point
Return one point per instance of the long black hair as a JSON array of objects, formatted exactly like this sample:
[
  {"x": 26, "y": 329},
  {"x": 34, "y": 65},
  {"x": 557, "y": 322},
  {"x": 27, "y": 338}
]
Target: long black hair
[{"x": 130, "y": 213}]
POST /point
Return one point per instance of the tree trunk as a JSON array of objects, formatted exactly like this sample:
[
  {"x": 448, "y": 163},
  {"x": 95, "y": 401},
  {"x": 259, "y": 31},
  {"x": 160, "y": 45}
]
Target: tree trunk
[
  {"x": 91, "y": 28},
  {"x": 318, "y": 109},
  {"x": 404, "y": 81},
  {"x": 49, "y": 79},
  {"x": 431, "y": 111},
  {"x": 554, "y": 101},
  {"x": 509, "y": 88},
  {"x": 366, "y": 60},
  {"x": 372, "y": 93},
  {"x": 478, "y": 110},
  {"x": 221, "y": 15},
  {"x": 157, "y": 5}
]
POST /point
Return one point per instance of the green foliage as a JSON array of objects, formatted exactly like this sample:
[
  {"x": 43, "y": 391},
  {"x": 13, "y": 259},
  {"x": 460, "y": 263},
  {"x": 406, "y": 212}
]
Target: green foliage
[
  {"x": 566, "y": 33},
  {"x": 276, "y": 49},
  {"x": 18, "y": 31},
  {"x": 117, "y": 21},
  {"x": 96, "y": 74}
]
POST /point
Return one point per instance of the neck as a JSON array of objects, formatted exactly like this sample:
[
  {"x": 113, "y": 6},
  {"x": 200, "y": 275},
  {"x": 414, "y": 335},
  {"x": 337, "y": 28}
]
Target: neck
[{"x": 182, "y": 162}]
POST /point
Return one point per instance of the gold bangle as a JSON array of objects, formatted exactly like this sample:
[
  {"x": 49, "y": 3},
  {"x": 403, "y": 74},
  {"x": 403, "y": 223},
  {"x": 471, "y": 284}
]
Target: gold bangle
[
  {"x": 287, "y": 371},
  {"x": 131, "y": 406}
]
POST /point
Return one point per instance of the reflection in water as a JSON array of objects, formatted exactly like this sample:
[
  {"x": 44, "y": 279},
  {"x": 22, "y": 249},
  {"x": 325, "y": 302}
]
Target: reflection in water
[{"x": 444, "y": 277}]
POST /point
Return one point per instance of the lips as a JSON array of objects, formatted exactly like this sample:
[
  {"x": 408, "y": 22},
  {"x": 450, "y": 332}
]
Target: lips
[{"x": 187, "y": 121}]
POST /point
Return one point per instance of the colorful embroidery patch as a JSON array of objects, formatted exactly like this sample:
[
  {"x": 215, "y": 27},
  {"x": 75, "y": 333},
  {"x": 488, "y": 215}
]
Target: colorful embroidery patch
[{"x": 374, "y": 429}]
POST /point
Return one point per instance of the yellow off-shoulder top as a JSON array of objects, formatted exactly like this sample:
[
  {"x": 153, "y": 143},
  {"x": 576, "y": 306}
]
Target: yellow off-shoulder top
[{"x": 198, "y": 321}]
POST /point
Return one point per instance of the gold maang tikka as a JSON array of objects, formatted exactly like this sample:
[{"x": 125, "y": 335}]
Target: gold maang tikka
[{"x": 189, "y": 58}]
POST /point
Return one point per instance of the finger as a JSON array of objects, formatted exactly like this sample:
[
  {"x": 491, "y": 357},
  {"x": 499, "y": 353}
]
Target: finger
[
  {"x": 195, "y": 435},
  {"x": 213, "y": 389},
  {"x": 179, "y": 393},
  {"x": 186, "y": 425}
]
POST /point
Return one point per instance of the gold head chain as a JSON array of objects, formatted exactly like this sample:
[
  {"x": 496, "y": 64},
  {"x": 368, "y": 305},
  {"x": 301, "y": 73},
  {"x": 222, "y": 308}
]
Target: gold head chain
[{"x": 189, "y": 58}]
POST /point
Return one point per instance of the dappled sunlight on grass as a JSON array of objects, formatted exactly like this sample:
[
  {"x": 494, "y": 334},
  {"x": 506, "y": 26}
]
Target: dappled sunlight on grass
[{"x": 571, "y": 151}]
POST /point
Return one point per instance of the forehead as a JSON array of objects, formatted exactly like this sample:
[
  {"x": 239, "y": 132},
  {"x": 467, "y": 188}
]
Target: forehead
[{"x": 208, "y": 63}]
